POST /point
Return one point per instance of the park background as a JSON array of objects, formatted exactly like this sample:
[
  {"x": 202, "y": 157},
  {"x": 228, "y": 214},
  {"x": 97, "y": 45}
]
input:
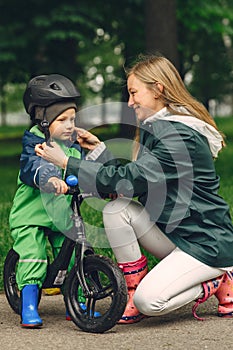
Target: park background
[{"x": 91, "y": 42}]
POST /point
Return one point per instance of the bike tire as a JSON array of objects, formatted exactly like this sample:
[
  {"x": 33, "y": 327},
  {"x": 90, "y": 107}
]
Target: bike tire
[
  {"x": 107, "y": 282},
  {"x": 10, "y": 285}
]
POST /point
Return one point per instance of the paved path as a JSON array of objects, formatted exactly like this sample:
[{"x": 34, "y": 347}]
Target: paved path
[{"x": 177, "y": 331}]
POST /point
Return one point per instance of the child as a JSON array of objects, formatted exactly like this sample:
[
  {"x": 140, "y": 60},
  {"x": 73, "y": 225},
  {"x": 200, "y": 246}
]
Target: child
[{"x": 50, "y": 102}]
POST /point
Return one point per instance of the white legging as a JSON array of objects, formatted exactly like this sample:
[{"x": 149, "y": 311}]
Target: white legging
[{"x": 175, "y": 280}]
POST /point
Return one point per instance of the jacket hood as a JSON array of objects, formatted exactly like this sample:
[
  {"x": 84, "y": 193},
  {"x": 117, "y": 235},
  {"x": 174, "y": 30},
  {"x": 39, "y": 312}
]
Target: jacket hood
[{"x": 214, "y": 138}]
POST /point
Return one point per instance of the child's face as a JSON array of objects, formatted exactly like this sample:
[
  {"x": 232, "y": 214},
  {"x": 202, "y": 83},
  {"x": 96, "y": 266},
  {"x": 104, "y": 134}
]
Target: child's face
[{"x": 62, "y": 127}]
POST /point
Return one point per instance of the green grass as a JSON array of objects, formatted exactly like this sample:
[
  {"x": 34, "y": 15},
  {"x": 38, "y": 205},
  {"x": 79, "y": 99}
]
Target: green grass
[
  {"x": 10, "y": 149},
  {"x": 224, "y": 163}
]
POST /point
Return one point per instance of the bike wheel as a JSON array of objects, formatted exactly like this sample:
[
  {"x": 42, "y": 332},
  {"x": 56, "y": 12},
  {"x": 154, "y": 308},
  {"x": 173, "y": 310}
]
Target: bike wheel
[
  {"x": 10, "y": 285},
  {"x": 109, "y": 295}
]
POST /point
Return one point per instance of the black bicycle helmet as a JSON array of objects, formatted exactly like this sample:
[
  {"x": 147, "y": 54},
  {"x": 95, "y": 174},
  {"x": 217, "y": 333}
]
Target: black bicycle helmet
[{"x": 44, "y": 90}]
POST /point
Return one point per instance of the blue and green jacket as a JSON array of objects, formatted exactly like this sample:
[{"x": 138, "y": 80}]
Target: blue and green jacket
[{"x": 31, "y": 206}]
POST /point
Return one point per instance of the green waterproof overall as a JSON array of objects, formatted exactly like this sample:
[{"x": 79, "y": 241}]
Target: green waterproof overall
[{"x": 31, "y": 213}]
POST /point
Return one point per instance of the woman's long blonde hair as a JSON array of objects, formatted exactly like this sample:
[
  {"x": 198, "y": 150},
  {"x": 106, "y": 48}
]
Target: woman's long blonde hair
[{"x": 158, "y": 69}]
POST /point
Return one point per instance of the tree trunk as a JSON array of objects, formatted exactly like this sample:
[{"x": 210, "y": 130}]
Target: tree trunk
[
  {"x": 3, "y": 106},
  {"x": 128, "y": 119},
  {"x": 160, "y": 35},
  {"x": 161, "y": 29}
]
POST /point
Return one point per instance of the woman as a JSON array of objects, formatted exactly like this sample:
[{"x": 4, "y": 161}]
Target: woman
[{"x": 179, "y": 218}]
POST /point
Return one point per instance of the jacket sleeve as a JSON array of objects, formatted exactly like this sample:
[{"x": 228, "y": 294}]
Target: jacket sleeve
[
  {"x": 162, "y": 162},
  {"x": 130, "y": 179},
  {"x": 35, "y": 171}
]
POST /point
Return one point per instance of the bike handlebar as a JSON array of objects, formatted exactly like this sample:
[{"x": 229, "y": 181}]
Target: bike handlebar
[
  {"x": 49, "y": 188},
  {"x": 72, "y": 180},
  {"x": 73, "y": 187}
]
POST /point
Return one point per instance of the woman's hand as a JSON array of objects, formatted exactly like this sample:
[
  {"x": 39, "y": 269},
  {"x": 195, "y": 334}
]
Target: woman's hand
[
  {"x": 86, "y": 139},
  {"x": 53, "y": 154}
]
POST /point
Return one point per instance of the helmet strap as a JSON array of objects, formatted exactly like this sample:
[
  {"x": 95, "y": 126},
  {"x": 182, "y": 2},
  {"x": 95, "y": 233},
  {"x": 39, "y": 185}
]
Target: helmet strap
[{"x": 45, "y": 127}]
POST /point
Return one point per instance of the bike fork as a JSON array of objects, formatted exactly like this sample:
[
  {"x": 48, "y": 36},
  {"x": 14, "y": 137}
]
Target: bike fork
[{"x": 89, "y": 294}]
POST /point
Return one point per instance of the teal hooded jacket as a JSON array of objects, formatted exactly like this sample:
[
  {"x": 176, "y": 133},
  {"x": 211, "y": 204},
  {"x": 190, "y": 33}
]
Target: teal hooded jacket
[{"x": 174, "y": 178}]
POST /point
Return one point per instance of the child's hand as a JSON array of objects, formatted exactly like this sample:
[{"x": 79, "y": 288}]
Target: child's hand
[
  {"x": 86, "y": 139},
  {"x": 59, "y": 185}
]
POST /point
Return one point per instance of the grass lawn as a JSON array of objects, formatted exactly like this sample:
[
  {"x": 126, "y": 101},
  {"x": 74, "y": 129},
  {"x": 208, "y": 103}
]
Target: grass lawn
[{"x": 10, "y": 148}]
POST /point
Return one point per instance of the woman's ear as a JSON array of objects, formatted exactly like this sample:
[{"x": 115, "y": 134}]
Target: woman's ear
[{"x": 158, "y": 89}]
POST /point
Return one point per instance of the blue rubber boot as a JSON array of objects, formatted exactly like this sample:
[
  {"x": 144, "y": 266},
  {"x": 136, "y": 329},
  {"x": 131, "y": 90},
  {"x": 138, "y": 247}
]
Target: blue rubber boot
[{"x": 29, "y": 315}]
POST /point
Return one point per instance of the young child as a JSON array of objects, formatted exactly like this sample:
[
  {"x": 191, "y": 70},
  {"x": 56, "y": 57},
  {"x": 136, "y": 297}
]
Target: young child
[{"x": 50, "y": 100}]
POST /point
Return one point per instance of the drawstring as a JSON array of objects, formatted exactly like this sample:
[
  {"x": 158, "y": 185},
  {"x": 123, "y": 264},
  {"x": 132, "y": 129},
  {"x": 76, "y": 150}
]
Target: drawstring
[{"x": 200, "y": 301}]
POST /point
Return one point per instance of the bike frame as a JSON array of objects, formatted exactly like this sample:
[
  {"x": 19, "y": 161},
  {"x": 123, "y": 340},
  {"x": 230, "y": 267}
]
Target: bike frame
[
  {"x": 57, "y": 270},
  {"x": 101, "y": 280}
]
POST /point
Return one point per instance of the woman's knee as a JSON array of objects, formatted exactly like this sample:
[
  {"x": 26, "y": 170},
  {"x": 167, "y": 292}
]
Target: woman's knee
[
  {"x": 148, "y": 305},
  {"x": 122, "y": 208},
  {"x": 116, "y": 206},
  {"x": 116, "y": 213}
]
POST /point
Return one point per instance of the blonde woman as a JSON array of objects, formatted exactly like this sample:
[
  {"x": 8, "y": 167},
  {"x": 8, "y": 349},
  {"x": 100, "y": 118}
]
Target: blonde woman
[{"x": 179, "y": 216}]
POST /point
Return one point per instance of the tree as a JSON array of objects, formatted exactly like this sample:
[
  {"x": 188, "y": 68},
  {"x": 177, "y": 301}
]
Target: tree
[
  {"x": 49, "y": 36},
  {"x": 141, "y": 28},
  {"x": 126, "y": 23},
  {"x": 204, "y": 55},
  {"x": 43, "y": 38},
  {"x": 161, "y": 29}
]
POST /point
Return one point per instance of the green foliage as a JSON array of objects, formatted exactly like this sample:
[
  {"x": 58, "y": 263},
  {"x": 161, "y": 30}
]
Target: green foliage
[
  {"x": 11, "y": 132},
  {"x": 8, "y": 175},
  {"x": 13, "y": 97},
  {"x": 91, "y": 41},
  {"x": 204, "y": 30},
  {"x": 224, "y": 164},
  {"x": 102, "y": 68},
  {"x": 44, "y": 37}
]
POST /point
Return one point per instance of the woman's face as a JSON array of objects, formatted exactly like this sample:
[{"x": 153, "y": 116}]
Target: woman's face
[
  {"x": 144, "y": 101},
  {"x": 63, "y": 126}
]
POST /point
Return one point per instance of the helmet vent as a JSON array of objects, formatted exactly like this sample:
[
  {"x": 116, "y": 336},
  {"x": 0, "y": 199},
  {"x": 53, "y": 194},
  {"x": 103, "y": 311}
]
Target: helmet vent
[
  {"x": 54, "y": 86},
  {"x": 38, "y": 82}
]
